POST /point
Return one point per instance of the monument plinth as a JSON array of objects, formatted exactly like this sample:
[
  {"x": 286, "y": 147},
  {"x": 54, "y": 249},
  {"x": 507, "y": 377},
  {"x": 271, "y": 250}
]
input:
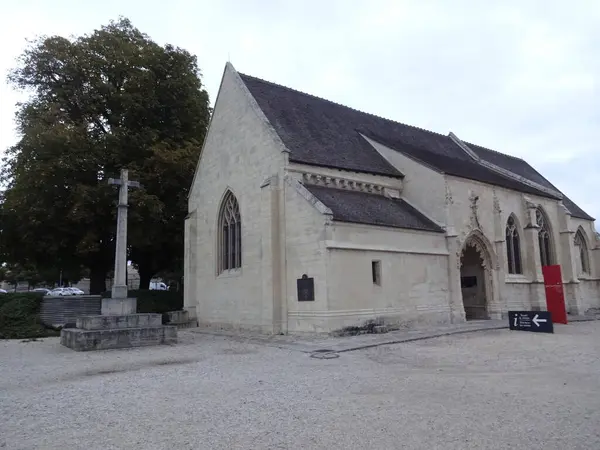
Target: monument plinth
[
  {"x": 118, "y": 306},
  {"x": 119, "y": 325}
]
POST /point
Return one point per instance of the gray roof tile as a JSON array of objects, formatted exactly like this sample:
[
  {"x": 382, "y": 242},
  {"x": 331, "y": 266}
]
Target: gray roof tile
[
  {"x": 372, "y": 209},
  {"x": 324, "y": 133}
]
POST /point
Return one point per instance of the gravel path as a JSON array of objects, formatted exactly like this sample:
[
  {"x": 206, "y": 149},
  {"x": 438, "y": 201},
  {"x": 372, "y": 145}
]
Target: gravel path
[{"x": 489, "y": 390}]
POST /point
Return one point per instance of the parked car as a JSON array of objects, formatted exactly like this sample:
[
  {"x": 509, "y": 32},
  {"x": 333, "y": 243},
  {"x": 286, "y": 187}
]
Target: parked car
[
  {"x": 2, "y": 291},
  {"x": 43, "y": 290},
  {"x": 59, "y": 292},
  {"x": 76, "y": 291},
  {"x": 158, "y": 286}
]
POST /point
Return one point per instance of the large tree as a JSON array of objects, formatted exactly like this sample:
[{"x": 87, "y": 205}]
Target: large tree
[{"x": 101, "y": 102}]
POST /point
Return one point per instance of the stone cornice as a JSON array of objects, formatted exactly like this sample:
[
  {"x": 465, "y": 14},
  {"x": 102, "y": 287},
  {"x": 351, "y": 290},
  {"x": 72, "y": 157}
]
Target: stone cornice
[
  {"x": 320, "y": 206},
  {"x": 349, "y": 183}
]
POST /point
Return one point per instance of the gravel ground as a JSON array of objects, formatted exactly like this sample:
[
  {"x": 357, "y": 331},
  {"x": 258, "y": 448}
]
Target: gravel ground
[{"x": 489, "y": 390}]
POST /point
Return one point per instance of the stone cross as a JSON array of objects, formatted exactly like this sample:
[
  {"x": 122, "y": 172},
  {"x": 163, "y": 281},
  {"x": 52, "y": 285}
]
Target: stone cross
[{"x": 119, "y": 288}]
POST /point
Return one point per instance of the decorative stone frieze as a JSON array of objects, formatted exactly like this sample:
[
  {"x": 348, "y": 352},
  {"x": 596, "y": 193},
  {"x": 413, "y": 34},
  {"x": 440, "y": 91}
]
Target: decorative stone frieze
[{"x": 348, "y": 184}]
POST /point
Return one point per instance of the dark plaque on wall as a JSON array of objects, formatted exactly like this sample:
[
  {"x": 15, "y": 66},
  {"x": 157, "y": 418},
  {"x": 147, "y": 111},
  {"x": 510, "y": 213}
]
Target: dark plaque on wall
[{"x": 306, "y": 289}]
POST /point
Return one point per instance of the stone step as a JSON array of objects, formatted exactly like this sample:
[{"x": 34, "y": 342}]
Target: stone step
[
  {"x": 177, "y": 317},
  {"x": 86, "y": 340},
  {"x": 184, "y": 325},
  {"x": 119, "y": 322}
]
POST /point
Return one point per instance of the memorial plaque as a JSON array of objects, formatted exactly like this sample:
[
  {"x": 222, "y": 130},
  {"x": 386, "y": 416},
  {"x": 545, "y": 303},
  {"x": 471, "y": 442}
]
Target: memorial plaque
[{"x": 306, "y": 289}]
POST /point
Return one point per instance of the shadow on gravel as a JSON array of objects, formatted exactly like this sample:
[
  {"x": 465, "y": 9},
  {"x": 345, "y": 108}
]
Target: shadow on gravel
[{"x": 135, "y": 367}]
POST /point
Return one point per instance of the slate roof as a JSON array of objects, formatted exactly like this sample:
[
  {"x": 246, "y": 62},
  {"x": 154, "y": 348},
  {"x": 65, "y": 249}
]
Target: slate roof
[
  {"x": 372, "y": 209},
  {"x": 323, "y": 133}
]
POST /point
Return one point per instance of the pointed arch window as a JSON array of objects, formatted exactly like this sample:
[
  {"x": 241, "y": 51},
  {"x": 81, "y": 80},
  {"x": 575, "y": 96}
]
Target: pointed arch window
[
  {"x": 544, "y": 236},
  {"x": 513, "y": 247},
  {"x": 229, "y": 235},
  {"x": 583, "y": 260}
]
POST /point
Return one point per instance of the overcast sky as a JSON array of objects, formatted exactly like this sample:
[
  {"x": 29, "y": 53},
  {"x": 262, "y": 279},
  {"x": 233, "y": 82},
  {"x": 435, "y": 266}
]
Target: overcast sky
[{"x": 518, "y": 76}]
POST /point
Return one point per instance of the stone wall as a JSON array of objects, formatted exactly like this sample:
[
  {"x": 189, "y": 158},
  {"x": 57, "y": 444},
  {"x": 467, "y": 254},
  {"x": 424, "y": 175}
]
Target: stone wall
[
  {"x": 239, "y": 154},
  {"x": 305, "y": 254},
  {"x": 590, "y": 294},
  {"x": 57, "y": 311},
  {"x": 516, "y": 296},
  {"x": 413, "y": 282},
  {"x": 424, "y": 188}
]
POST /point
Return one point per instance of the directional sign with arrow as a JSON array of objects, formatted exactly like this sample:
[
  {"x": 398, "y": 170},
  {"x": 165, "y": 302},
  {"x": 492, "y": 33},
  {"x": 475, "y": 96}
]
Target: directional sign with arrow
[{"x": 537, "y": 321}]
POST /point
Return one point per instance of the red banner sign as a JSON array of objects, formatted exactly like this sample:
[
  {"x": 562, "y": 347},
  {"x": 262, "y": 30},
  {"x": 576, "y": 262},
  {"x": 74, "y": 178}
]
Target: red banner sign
[{"x": 555, "y": 297}]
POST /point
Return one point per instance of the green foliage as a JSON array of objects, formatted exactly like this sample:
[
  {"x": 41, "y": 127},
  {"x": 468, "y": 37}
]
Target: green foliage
[
  {"x": 154, "y": 301},
  {"x": 101, "y": 102},
  {"x": 19, "y": 317},
  {"x": 15, "y": 273}
]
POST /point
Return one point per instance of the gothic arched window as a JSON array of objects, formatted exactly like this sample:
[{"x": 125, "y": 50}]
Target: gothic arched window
[
  {"x": 583, "y": 260},
  {"x": 544, "y": 237},
  {"x": 229, "y": 235},
  {"x": 513, "y": 247}
]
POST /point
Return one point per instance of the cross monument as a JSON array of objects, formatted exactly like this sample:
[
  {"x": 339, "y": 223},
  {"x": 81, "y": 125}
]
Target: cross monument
[
  {"x": 119, "y": 303},
  {"x": 118, "y": 325}
]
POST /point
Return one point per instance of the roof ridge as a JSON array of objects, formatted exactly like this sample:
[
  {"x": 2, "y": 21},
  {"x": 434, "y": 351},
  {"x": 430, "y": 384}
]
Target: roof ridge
[
  {"x": 495, "y": 151},
  {"x": 342, "y": 105}
]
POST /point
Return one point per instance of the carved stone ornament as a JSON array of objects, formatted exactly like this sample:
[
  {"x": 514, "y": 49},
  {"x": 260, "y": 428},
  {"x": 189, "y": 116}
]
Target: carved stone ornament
[
  {"x": 528, "y": 203},
  {"x": 497, "y": 208},
  {"x": 473, "y": 199},
  {"x": 449, "y": 199},
  {"x": 341, "y": 183},
  {"x": 487, "y": 260}
]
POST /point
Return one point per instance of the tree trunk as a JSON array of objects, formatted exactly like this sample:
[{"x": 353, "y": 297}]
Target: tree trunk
[
  {"x": 146, "y": 275},
  {"x": 97, "y": 280}
]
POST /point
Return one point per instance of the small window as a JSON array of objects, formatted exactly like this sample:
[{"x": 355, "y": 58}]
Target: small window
[{"x": 376, "y": 272}]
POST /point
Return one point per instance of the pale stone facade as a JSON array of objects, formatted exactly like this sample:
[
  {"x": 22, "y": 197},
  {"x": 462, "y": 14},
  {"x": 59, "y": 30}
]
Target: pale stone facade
[{"x": 429, "y": 246}]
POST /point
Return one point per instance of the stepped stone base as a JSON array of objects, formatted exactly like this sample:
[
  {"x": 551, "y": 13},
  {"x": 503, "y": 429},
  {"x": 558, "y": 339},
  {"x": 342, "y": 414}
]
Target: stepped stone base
[
  {"x": 111, "y": 332},
  {"x": 114, "y": 322},
  {"x": 181, "y": 320},
  {"x": 189, "y": 324}
]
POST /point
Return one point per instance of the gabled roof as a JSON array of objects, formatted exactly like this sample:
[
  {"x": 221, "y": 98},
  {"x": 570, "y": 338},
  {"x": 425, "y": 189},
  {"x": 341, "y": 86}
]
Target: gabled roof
[
  {"x": 323, "y": 133},
  {"x": 372, "y": 209}
]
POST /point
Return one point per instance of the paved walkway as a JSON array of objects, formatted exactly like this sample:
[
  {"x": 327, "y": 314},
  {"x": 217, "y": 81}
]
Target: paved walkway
[{"x": 337, "y": 344}]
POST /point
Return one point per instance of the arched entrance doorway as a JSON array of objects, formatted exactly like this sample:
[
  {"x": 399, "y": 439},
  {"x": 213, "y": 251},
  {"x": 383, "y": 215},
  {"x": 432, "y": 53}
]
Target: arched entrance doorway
[{"x": 475, "y": 281}]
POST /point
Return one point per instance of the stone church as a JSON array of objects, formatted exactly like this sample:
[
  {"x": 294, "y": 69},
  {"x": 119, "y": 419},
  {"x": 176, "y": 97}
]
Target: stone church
[{"x": 309, "y": 216}]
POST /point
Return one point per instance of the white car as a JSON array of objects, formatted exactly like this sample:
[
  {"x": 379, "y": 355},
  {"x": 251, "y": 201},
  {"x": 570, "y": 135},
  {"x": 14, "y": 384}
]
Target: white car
[
  {"x": 76, "y": 291},
  {"x": 60, "y": 292},
  {"x": 158, "y": 286},
  {"x": 2, "y": 291},
  {"x": 43, "y": 290}
]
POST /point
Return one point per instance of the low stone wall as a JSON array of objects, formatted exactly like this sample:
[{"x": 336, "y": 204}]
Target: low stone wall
[
  {"x": 57, "y": 311},
  {"x": 181, "y": 319}
]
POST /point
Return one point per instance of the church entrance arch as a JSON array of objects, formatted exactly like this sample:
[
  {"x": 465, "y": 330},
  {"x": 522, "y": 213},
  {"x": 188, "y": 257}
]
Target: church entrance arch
[{"x": 475, "y": 279}]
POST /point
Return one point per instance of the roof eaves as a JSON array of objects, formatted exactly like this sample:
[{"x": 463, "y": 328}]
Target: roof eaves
[
  {"x": 399, "y": 175},
  {"x": 401, "y": 227}
]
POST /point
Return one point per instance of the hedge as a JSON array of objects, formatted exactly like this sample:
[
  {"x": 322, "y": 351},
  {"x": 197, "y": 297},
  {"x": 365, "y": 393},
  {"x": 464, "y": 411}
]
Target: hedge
[
  {"x": 155, "y": 301},
  {"x": 19, "y": 312},
  {"x": 19, "y": 317}
]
